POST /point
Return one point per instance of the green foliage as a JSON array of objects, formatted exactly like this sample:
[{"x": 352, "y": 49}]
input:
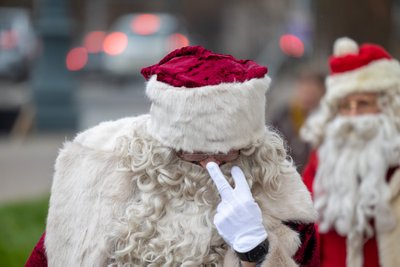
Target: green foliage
[{"x": 21, "y": 225}]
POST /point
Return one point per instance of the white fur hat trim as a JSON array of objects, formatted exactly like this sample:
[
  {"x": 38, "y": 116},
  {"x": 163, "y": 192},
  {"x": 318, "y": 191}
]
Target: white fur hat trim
[
  {"x": 214, "y": 118},
  {"x": 344, "y": 46},
  {"x": 378, "y": 76}
]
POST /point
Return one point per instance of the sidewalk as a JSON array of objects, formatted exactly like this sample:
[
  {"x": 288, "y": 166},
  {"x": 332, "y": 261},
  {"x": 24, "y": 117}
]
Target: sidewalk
[{"x": 26, "y": 166}]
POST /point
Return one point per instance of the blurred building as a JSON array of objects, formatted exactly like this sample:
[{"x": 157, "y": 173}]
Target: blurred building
[
  {"x": 279, "y": 34},
  {"x": 332, "y": 18},
  {"x": 224, "y": 25}
]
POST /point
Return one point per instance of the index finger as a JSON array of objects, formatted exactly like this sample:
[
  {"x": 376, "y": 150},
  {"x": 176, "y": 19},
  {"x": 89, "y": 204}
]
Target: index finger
[{"x": 224, "y": 188}]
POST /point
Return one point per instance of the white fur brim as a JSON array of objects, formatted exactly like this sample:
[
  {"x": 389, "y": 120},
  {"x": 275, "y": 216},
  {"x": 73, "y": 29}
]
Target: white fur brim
[
  {"x": 215, "y": 118},
  {"x": 377, "y": 76}
]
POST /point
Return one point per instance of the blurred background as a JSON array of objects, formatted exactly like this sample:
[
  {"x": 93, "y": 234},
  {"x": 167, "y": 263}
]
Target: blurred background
[{"x": 67, "y": 65}]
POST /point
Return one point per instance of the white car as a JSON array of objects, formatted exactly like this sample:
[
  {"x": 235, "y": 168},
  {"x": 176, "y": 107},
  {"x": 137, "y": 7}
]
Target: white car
[{"x": 139, "y": 40}]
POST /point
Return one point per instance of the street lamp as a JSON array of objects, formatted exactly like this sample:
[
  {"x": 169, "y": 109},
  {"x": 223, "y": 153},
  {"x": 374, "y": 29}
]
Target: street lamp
[{"x": 53, "y": 85}]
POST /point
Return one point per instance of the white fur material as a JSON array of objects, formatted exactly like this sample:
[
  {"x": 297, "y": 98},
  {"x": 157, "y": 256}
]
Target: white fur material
[
  {"x": 104, "y": 135},
  {"x": 388, "y": 242},
  {"x": 344, "y": 46},
  {"x": 292, "y": 192},
  {"x": 377, "y": 76},
  {"x": 89, "y": 194},
  {"x": 215, "y": 118}
]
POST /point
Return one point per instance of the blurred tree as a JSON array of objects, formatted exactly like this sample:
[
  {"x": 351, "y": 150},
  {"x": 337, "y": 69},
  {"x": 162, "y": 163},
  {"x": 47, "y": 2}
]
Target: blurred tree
[
  {"x": 98, "y": 22},
  {"x": 250, "y": 28},
  {"x": 362, "y": 20},
  {"x": 22, "y": 3},
  {"x": 205, "y": 19},
  {"x": 396, "y": 28}
]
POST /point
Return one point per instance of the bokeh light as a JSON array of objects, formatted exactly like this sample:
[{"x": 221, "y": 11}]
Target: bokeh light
[
  {"x": 8, "y": 39},
  {"x": 177, "y": 40},
  {"x": 145, "y": 24},
  {"x": 93, "y": 41},
  {"x": 77, "y": 59},
  {"x": 115, "y": 43},
  {"x": 291, "y": 45}
]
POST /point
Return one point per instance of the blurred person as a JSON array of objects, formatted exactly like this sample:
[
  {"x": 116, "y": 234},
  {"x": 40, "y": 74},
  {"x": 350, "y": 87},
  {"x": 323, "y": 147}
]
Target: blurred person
[
  {"x": 354, "y": 171},
  {"x": 137, "y": 191},
  {"x": 308, "y": 89}
]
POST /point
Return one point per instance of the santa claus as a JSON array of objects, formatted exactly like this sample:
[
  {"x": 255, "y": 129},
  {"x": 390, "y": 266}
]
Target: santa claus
[
  {"x": 354, "y": 171},
  {"x": 200, "y": 181}
]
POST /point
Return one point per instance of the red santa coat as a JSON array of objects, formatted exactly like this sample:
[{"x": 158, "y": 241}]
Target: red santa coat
[{"x": 332, "y": 245}]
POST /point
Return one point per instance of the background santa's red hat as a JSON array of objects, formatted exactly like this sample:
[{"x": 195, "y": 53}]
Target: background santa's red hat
[
  {"x": 203, "y": 101},
  {"x": 368, "y": 68}
]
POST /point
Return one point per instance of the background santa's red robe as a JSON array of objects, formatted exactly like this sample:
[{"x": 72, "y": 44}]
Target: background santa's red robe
[{"x": 332, "y": 245}]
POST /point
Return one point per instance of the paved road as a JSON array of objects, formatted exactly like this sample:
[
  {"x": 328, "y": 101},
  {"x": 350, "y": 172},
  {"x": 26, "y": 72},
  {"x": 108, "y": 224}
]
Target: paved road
[
  {"x": 26, "y": 165},
  {"x": 100, "y": 101}
]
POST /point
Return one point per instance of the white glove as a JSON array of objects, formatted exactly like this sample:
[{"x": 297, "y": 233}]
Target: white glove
[{"x": 238, "y": 218}]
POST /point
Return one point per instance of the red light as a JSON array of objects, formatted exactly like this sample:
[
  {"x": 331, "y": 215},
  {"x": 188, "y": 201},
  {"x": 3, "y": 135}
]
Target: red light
[
  {"x": 291, "y": 45},
  {"x": 145, "y": 24},
  {"x": 77, "y": 59},
  {"x": 8, "y": 39},
  {"x": 177, "y": 40},
  {"x": 93, "y": 41},
  {"x": 115, "y": 43}
]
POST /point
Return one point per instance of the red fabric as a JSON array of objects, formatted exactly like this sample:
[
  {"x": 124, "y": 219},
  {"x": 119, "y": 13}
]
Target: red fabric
[
  {"x": 310, "y": 170},
  {"x": 333, "y": 251},
  {"x": 367, "y": 54},
  {"x": 195, "y": 66},
  {"x": 332, "y": 246},
  {"x": 308, "y": 254},
  {"x": 38, "y": 257}
]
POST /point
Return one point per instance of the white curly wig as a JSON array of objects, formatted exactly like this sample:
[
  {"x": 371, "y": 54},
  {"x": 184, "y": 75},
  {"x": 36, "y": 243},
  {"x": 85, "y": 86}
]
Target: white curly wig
[{"x": 170, "y": 217}]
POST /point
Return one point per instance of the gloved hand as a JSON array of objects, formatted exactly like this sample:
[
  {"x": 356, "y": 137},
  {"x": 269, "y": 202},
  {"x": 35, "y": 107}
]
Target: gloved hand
[{"x": 238, "y": 218}]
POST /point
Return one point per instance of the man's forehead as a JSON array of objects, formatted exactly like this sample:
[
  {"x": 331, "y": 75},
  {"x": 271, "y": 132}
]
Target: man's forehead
[{"x": 360, "y": 95}]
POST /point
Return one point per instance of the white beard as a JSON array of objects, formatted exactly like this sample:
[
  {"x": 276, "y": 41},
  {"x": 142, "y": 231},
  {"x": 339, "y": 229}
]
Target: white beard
[{"x": 350, "y": 188}]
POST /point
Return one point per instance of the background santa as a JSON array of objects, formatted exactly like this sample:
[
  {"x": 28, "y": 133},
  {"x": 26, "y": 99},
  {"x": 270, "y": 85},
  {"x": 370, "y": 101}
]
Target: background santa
[{"x": 354, "y": 170}]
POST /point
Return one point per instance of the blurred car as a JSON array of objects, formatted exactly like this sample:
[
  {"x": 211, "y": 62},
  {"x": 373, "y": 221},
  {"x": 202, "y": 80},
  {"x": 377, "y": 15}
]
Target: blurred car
[
  {"x": 138, "y": 40},
  {"x": 18, "y": 43}
]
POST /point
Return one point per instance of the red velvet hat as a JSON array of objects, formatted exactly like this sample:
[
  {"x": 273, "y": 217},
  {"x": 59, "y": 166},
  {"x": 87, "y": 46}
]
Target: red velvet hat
[
  {"x": 203, "y": 101},
  {"x": 368, "y": 68}
]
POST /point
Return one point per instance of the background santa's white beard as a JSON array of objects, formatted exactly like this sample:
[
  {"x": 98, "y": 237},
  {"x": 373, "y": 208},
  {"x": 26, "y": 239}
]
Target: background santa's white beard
[{"x": 350, "y": 187}]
